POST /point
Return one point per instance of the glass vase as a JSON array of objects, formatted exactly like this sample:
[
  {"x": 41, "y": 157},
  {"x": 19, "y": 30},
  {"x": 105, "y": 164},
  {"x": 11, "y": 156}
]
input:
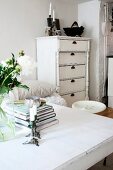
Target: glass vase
[{"x": 7, "y": 124}]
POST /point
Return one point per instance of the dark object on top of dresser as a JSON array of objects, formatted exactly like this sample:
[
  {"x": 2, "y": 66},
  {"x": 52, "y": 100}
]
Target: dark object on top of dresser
[{"x": 74, "y": 30}]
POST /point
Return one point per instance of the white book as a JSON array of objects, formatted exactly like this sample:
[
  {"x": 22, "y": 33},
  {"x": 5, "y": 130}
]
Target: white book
[
  {"x": 44, "y": 108},
  {"x": 45, "y": 121},
  {"x": 46, "y": 125},
  {"x": 18, "y": 115},
  {"x": 45, "y": 111},
  {"x": 18, "y": 108},
  {"x": 46, "y": 116},
  {"x": 23, "y": 122}
]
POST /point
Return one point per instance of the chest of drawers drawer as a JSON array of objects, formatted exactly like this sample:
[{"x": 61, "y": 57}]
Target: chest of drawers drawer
[
  {"x": 73, "y": 85},
  {"x": 71, "y": 98},
  {"x": 73, "y": 45},
  {"x": 72, "y": 58},
  {"x": 71, "y": 71}
]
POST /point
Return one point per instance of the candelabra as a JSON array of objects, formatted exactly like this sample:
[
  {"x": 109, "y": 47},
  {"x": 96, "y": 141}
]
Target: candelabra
[
  {"x": 52, "y": 30},
  {"x": 34, "y": 136},
  {"x": 53, "y": 25},
  {"x": 33, "y": 102}
]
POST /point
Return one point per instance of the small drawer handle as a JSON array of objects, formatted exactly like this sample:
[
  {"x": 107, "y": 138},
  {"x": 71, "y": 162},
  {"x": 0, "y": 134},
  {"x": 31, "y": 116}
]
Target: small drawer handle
[
  {"x": 72, "y": 81},
  {"x": 72, "y": 54},
  {"x": 74, "y": 42},
  {"x": 72, "y": 67},
  {"x": 72, "y": 95}
]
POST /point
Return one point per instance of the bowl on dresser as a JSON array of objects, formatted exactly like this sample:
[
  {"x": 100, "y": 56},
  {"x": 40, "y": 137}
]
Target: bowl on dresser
[{"x": 74, "y": 31}]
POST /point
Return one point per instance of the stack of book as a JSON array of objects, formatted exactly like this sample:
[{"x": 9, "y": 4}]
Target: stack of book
[
  {"x": 21, "y": 113},
  {"x": 44, "y": 118}
]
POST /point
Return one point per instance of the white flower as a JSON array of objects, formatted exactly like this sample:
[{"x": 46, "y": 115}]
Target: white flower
[
  {"x": 19, "y": 78},
  {"x": 3, "y": 63},
  {"x": 27, "y": 63}
]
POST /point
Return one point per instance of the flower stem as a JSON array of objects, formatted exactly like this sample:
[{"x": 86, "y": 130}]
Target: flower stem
[{"x": 7, "y": 77}]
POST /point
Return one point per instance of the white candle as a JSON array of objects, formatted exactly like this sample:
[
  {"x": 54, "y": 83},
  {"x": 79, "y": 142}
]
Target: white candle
[
  {"x": 32, "y": 117},
  {"x": 53, "y": 15},
  {"x": 35, "y": 109},
  {"x": 50, "y": 9}
]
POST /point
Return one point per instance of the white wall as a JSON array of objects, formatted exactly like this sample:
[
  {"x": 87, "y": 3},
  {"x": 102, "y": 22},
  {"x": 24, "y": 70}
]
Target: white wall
[
  {"x": 88, "y": 16},
  {"x": 23, "y": 20}
]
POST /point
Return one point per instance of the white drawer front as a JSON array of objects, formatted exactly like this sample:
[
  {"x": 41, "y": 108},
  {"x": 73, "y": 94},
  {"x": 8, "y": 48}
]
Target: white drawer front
[
  {"x": 68, "y": 72},
  {"x": 72, "y": 58},
  {"x": 71, "y": 98},
  {"x": 73, "y": 85},
  {"x": 73, "y": 45}
]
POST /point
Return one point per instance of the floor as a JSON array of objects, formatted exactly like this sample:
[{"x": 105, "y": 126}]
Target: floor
[
  {"x": 107, "y": 113},
  {"x": 100, "y": 166}
]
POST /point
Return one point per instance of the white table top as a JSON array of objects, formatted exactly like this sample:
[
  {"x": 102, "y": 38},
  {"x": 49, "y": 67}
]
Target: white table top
[{"x": 76, "y": 143}]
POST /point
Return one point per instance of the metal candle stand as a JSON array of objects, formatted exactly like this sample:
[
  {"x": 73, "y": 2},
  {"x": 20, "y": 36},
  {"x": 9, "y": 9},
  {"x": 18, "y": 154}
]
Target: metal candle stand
[
  {"x": 35, "y": 135},
  {"x": 53, "y": 27}
]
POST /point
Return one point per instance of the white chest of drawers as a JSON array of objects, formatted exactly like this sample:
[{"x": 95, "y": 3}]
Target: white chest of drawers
[{"x": 63, "y": 62}]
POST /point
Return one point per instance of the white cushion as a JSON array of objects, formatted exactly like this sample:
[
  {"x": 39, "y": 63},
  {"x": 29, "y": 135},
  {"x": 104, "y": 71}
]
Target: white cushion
[
  {"x": 56, "y": 99},
  {"x": 37, "y": 88}
]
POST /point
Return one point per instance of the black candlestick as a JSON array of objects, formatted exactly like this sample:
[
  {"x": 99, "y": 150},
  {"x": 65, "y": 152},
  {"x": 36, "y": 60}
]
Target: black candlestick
[{"x": 49, "y": 21}]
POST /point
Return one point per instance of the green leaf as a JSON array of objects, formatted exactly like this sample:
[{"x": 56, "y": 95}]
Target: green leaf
[
  {"x": 23, "y": 86},
  {"x": 1, "y": 67},
  {"x": 8, "y": 75},
  {"x": 4, "y": 90}
]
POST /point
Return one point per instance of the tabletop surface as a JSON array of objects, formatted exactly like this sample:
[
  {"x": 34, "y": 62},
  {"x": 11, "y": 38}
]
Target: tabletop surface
[{"x": 77, "y": 134}]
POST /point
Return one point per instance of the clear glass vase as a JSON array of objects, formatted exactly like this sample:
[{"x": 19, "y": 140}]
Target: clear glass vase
[{"x": 7, "y": 124}]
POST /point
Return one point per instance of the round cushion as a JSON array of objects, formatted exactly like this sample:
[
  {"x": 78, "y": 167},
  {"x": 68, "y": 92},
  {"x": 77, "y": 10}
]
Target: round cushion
[{"x": 89, "y": 106}]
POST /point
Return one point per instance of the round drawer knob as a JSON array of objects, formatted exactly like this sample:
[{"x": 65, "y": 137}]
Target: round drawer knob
[
  {"x": 72, "y": 67},
  {"x": 72, "y": 95},
  {"x": 72, "y": 81},
  {"x": 72, "y": 54},
  {"x": 74, "y": 42}
]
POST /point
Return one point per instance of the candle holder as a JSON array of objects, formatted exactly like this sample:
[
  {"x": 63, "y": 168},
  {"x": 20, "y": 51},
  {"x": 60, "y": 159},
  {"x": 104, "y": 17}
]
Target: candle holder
[
  {"x": 34, "y": 136},
  {"x": 33, "y": 102},
  {"x": 49, "y": 21},
  {"x": 53, "y": 27}
]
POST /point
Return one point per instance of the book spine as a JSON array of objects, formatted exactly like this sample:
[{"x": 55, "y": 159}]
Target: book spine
[
  {"x": 21, "y": 116},
  {"x": 18, "y": 112},
  {"x": 19, "y": 108},
  {"x": 44, "y": 109},
  {"x": 20, "y": 124},
  {"x": 45, "y": 113},
  {"x": 23, "y": 122},
  {"x": 41, "y": 127},
  {"x": 10, "y": 113},
  {"x": 45, "y": 121},
  {"x": 45, "y": 116}
]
